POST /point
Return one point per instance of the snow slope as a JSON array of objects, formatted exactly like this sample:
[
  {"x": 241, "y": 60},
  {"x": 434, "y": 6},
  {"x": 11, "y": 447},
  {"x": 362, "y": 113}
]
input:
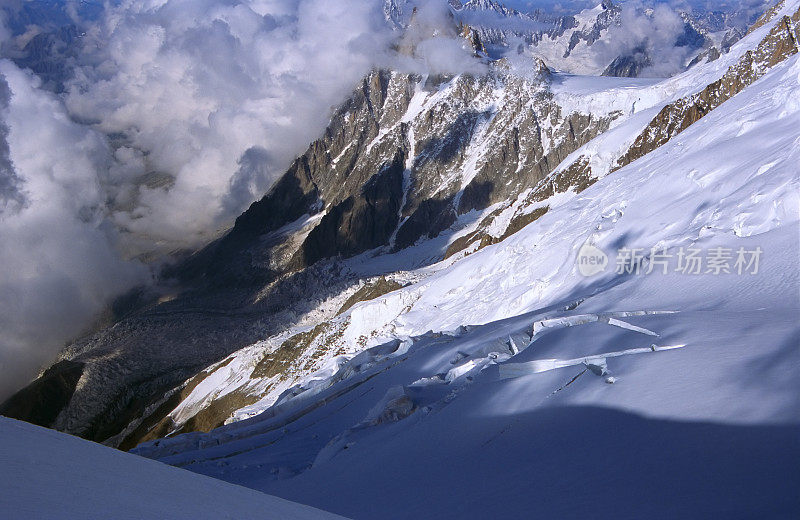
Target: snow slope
[
  {"x": 504, "y": 384},
  {"x": 639, "y": 100},
  {"x": 51, "y": 475}
]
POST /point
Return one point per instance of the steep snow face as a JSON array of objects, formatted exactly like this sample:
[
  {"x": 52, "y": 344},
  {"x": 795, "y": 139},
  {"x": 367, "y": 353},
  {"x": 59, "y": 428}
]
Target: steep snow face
[
  {"x": 53, "y": 475},
  {"x": 645, "y": 391}
]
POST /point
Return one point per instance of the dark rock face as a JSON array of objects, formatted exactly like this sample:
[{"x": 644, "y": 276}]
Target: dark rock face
[
  {"x": 287, "y": 201},
  {"x": 358, "y": 223},
  {"x": 47, "y": 396},
  {"x": 431, "y": 217},
  {"x": 630, "y": 66},
  {"x": 690, "y": 38}
]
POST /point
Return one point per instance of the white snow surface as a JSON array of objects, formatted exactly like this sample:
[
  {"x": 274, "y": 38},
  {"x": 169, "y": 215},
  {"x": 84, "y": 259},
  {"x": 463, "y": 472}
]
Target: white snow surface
[
  {"x": 503, "y": 384},
  {"x": 50, "y": 475},
  {"x": 638, "y": 100}
]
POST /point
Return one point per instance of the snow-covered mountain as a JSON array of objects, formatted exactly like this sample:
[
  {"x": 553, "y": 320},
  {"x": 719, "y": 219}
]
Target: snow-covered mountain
[
  {"x": 479, "y": 295},
  {"x": 612, "y": 39},
  {"x": 411, "y": 170},
  {"x": 529, "y": 389}
]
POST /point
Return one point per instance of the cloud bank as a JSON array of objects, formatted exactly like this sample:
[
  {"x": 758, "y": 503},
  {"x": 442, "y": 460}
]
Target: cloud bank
[
  {"x": 167, "y": 118},
  {"x": 430, "y": 44},
  {"x": 59, "y": 263},
  {"x": 654, "y": 32},
  {"x": 214, "y": 99}
]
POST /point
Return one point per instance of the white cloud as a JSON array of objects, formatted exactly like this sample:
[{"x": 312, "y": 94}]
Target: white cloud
[
  {"x": 222, "y": 96},
  {"x": 430, "y": 44},
  {"x": 178, "y": 114},
  {"x": 200, "y": 86},
  {"x": 653, "y": 31},
  {"x": 60, "y": 267}
]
